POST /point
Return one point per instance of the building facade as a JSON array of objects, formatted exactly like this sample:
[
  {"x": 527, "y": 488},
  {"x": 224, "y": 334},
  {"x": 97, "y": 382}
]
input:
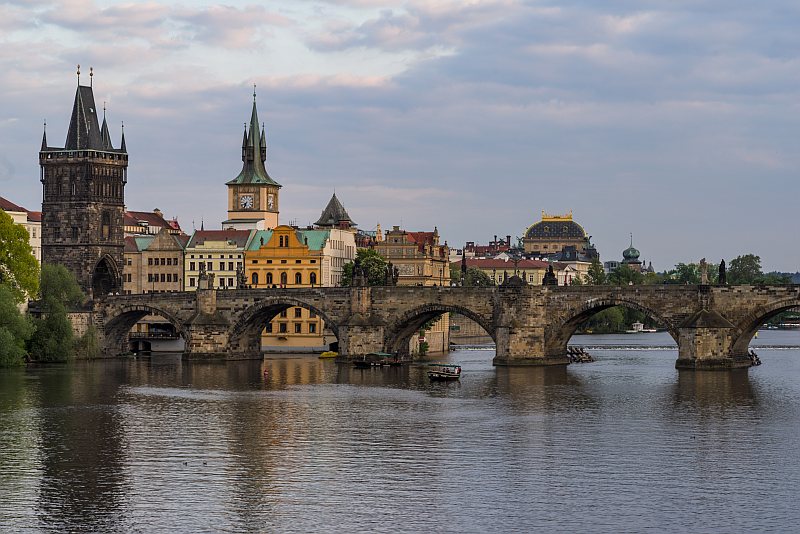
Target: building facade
[
  {"x": 149, "y": 222},
  {"x": 83, "y": 187},
  {"x": 253, "y": 194},
  {"x": 154, "y": 263},
  {"x": 554, "y": 232},
  {"x": 217, "y": 252},
  {"x": 291, "y": 257}
]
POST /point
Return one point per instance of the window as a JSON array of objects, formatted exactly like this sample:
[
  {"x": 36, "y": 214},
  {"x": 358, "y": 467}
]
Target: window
[
  {"x": 311, "y": 314},
  {"x": 169, "y": 277},
  {"x": 313, "y": 278},
  {"x": 268, "y": 328},
  {"x": 269, "y": 261},
  {"x": 283, "y": 279},
  {"x": 105, "y": 226},
  {"x": 163, "y": 261},
  {"x": 269, "y": 278},
  {"x": 313, "y": 261},
  {"x": 298, "y": 261},
  {"x": 209, "y": 266},
  {"x": 149, "y": 261},
  {"x": 298, "y": 278},
  {"x": 163, "y": 277},
  {"x": 191, "y": 266},
  {"x": 282, "y": 328},
  {"x": 191, "y": 282},
  {"x": 222, "y": 266},
  {"x": 298, "y": 313},
  {"x": 298, "y": 328},
  {"x": 74, "y": 232},
  {"x": 222, "y": 283},
  {"x": 312, "y": 328},
  {"x": 230, "y": 265},
  {"x": 284, "y": 313},
  {"x": 254, "y": 279}
]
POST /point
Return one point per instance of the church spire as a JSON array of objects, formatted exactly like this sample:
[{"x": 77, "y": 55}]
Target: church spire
[
  {"x": 122, "y": 143},
  {"x": 254, "y": 153},
  {"x": 44, "y": 136}
]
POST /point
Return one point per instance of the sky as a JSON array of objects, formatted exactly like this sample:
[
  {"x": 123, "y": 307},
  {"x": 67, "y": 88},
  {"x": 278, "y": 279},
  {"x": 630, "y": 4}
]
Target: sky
[{"x": 675, "y": 121}]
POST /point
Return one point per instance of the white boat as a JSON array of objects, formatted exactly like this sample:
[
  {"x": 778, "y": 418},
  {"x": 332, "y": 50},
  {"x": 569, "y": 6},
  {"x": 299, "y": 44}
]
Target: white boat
[{"x": 444, "y": 371}]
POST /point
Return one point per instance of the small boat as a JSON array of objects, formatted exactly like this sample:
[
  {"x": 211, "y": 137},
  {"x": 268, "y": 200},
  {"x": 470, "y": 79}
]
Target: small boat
[
  {"x": 444, "y": 371},
  {"x": 373, "y": 359},
  {"x": 329, "y": 354}
]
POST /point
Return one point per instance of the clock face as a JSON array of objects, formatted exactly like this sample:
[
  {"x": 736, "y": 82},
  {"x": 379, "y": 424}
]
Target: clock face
[{"x": 246, "y": 201}]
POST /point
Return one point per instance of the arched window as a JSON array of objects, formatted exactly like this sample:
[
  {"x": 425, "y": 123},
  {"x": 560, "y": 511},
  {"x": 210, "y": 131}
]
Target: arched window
[
  {"x": 280, "y": 241},
  {"x": 313, "y": 279},
  {"x": 298, "y": 278},
  {"x": 269, "y": 279},
  {"x": 254, "y": 279},
  {"x": 283, "y": 279}
]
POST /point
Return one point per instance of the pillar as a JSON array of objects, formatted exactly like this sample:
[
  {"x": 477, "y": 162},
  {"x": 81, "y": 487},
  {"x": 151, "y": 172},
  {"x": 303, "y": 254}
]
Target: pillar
[{"x": 705, "y": 342}]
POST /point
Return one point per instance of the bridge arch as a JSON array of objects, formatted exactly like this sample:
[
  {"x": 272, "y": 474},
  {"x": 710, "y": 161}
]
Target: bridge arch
[
  {"x": 398, "y": 334},
  {"x": 564, "y": 330},
  {"x": 245, "y": 334},
  {"x": 120, "y": 321},
  {"x": 747, "y": 327}
]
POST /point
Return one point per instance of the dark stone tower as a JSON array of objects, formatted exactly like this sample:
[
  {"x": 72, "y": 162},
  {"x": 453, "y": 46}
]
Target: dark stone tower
[{"x": 83, "y": 199}]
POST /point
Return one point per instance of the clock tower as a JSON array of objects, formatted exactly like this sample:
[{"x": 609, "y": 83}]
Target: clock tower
[{"x": 253, "y": 195}]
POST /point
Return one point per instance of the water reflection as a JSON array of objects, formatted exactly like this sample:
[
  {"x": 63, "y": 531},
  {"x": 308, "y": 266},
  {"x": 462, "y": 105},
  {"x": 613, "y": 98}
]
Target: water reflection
[
  {"x": 81, "y": 449},
  {"x": 297, "y": 444}
]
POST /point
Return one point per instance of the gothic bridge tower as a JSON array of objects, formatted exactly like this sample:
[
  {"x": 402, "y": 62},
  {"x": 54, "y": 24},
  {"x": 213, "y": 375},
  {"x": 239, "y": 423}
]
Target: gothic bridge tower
[{"x": 83, "y": 199}]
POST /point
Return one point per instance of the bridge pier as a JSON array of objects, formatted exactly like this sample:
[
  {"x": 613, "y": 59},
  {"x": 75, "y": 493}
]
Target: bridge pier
[
  {"x": 360, "y": 337},
  {"x": 705, "y": 342}
]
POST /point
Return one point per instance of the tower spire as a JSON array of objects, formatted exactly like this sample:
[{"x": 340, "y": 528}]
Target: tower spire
[
  {"x": 122, "y": 143},
  {"x": 91, "y": 75},
  {"x": 79, "y": 75},
  {"x": 44, "y": 136}
]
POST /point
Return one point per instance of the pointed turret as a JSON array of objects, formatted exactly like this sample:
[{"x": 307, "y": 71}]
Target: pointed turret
[
  {"x": 334, "y": 215},
  {"x": 254, "y": 154},
  {"x": 122, "y": 142},
  {"x": 263, "y": 143},
  {"x": 105, "y": 136},
  {"x": 84, "y": 130},
  {"x": 44, "y": 137}
]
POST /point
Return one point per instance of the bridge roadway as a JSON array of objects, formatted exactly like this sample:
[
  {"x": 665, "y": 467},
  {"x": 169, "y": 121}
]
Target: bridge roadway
[{"x": 530, "y": 325}]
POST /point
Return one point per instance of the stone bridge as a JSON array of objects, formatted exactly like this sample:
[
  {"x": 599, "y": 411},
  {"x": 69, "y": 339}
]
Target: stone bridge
[{"x": 531, "y": 325}]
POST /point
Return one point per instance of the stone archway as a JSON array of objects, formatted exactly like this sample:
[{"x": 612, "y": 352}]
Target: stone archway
[
  {"x": 398, "y": 334},
  {"x": 747, "y": 327},
  {"x": 560, "y": 332},
  {"x": 245, "y": 335},
  {"x": 117, "y": 327},
  {"x": 105, "y": 277}
]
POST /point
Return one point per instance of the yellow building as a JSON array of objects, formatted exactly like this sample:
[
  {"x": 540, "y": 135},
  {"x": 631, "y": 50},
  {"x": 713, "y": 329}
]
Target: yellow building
[{"x": 289, "y": 257}]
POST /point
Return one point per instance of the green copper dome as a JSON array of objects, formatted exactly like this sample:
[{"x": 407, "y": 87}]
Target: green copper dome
[{"x": 630, "y": 254}]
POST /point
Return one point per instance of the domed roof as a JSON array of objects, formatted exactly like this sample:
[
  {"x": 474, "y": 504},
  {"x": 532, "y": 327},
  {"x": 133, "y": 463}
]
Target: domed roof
[
  {"x": 556, "y": 226},
  {"x": 630, "y": 254}
]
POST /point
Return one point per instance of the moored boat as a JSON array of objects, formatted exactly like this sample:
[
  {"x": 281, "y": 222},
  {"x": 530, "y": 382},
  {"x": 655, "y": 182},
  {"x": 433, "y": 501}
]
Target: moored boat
[
  {"x": 444, "y": 371},
  {"x": 373, "y": 359},
  {"x": 329, "y": 354}
]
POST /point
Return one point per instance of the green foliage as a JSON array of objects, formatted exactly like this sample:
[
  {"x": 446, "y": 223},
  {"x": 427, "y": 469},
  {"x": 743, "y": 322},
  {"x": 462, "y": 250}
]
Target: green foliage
[
  {"x": 423, "y": 348},
  {"x": 372, "y": 262},
  {"x": 576, "y": 281},
  {"x": 477, "y": 278},
  {"x": 624, "y": 275},
  {"x": 596, "y": 275},
  {"x": 607, "y": 321},
  {"x": 19, "y": 270},
  {"x": 15, "y": 330},
  {"x": 746, "y": 270},
  {"x": 52, "y": 340},
  {"x": 88, "y": 345}
]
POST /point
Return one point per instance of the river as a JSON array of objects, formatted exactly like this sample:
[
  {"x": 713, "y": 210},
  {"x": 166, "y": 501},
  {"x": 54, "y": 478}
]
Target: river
[{"x": 298, "y": 444}]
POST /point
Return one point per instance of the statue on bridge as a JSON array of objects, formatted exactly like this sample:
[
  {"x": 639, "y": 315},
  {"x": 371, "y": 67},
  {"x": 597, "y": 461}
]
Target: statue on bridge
[
  {"x": 549, "y": 278},
  {"x": 723, "y": 275},
  {"x": 703, "y": 272},
  {"x": 241, "y": 279}
]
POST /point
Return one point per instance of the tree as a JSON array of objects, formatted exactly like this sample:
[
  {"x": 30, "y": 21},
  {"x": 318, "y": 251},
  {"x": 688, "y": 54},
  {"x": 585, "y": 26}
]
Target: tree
[
  {"x": 477, "y": 278},
  {"x": 19, "y": 270},
  {"x": 53, "y": 338},
  {"x": 596, "y": 275},
  {"x": 15, "y": 330},
  {"x": 744, "y": 270},
  {"x": 373, "y": 264},
  {"x": 624, "y": 275}
]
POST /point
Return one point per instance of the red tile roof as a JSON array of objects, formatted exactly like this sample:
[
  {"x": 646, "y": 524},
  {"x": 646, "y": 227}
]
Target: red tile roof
[
  {"x": 136, "y": 218},
  {"x": 35, "y": 216},
  {"x": 7, "y": 205},
  {"x": 238, "y": 236}
]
